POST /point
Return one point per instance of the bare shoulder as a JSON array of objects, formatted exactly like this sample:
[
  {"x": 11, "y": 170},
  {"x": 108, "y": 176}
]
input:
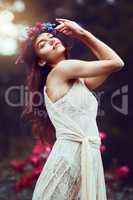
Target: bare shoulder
[
  {"x": 66, "y": 64},
  {"x": 66, "y": 69}
]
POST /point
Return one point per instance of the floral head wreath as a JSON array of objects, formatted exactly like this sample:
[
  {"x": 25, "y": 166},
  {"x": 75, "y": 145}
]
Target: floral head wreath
[{"x": 32, "y": 33}]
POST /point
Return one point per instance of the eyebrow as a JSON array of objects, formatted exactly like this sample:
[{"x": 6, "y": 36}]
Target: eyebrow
[{"x": 42, "y": 40}]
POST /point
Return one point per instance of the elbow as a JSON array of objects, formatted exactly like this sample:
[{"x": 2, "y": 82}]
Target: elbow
[
  {"x": 119, "y": 64},
  {"x": 122, "y": 64}
]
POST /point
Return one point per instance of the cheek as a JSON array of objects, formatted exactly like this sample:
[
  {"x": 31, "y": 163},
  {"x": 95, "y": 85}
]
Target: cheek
[{"x": 61, "y": 48}]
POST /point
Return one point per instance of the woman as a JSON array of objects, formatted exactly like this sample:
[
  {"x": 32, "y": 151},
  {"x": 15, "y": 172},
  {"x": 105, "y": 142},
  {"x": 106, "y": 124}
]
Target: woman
[{"x": 74, "y": 168}]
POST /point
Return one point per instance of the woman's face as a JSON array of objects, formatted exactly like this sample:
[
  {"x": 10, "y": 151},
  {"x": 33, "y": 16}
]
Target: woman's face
[{"x": 49, "y": 48}]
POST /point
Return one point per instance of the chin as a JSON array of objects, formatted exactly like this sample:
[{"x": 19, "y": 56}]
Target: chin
[
  {"x": 58, "y": 53},
  {"x": 60, "y": 47},
  {"x": 60, "y": 50}
]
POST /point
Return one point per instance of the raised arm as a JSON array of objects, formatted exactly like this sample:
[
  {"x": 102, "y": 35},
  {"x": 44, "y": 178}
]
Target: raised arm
[
  {"x": 101, "y": 51},
  {"x": 72, "y": 69},
  {"x": 109, "y": 61}
]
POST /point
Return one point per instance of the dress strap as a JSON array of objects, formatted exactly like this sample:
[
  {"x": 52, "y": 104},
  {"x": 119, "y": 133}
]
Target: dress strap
[{"x": 81, "y": 80}]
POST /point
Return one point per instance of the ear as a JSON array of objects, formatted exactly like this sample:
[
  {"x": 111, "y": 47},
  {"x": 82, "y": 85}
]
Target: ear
[{"x": 41, "y": 63}]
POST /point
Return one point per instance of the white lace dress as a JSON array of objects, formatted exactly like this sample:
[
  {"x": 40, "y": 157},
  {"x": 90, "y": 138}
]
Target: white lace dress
[{"x": 74, "y": 169}]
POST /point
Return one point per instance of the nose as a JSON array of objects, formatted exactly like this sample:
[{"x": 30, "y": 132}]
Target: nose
[{"x": 53, "y": 41}]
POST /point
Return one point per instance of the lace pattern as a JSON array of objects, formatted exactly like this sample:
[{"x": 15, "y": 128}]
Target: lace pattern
[{"x": 64, "y": 183}]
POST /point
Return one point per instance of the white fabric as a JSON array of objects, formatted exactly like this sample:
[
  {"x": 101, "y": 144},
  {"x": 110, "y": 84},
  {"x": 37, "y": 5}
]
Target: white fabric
[{"x": 74, "y": 169}]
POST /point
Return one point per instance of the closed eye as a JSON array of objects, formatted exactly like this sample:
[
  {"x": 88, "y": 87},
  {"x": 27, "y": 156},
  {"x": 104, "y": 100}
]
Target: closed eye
[{"x": 41, "y": 45}]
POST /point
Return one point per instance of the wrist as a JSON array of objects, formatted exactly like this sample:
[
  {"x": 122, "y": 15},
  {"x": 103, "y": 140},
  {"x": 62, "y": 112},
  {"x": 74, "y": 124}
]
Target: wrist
[
  {"x": 87, "y": 38},
  {"x": 83, "y": 34}
]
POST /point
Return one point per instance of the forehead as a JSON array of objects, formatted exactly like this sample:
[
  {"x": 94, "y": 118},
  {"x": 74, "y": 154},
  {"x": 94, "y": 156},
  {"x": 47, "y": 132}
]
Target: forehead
[{"x": 42, "y": 36}]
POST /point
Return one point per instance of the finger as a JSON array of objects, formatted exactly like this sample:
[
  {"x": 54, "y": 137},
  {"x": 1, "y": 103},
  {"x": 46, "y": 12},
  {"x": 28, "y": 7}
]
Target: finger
[
  {"x": 63, "y": 29},
  {"x": 60, "y": 22},
  {"x": 61, "y": 19},
  {"x": 59, "y": 26},
  {"x": 67, "y": 32},
  {"x": 64, "y": 32}
]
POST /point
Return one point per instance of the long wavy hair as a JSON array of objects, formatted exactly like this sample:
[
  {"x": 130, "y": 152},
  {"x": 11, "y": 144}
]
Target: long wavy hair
[{"x": 34, "y": 111}]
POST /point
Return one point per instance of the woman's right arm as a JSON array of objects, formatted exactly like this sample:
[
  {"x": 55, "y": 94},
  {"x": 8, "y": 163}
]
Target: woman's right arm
[{"x": 71, "y": 68}]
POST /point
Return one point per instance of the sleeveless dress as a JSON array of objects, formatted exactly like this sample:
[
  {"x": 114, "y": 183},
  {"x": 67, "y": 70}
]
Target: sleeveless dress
[{"x": 74, "y": 169}]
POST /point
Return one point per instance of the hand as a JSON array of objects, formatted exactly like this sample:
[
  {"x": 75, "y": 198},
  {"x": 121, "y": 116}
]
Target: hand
[{"x": 69, "y": 27}]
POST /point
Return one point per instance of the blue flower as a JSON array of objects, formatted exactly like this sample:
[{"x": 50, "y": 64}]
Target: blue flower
[{"x": 50, "y": 27}]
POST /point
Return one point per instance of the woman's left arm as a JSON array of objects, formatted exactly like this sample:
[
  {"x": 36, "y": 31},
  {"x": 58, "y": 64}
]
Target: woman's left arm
[
  {"x": 102, "y": 51},
  {"x": 99, "y": 48}
]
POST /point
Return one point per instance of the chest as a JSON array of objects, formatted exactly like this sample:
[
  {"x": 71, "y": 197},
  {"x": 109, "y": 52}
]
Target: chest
[{"x": 79, "y": 100}]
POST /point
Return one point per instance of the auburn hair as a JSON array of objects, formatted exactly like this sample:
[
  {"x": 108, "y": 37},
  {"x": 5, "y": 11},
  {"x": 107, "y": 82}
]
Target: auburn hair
[{"x": 36, "y": 76}]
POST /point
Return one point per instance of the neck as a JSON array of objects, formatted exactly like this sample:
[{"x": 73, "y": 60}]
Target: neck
[{"x": 55, "y": 63}]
